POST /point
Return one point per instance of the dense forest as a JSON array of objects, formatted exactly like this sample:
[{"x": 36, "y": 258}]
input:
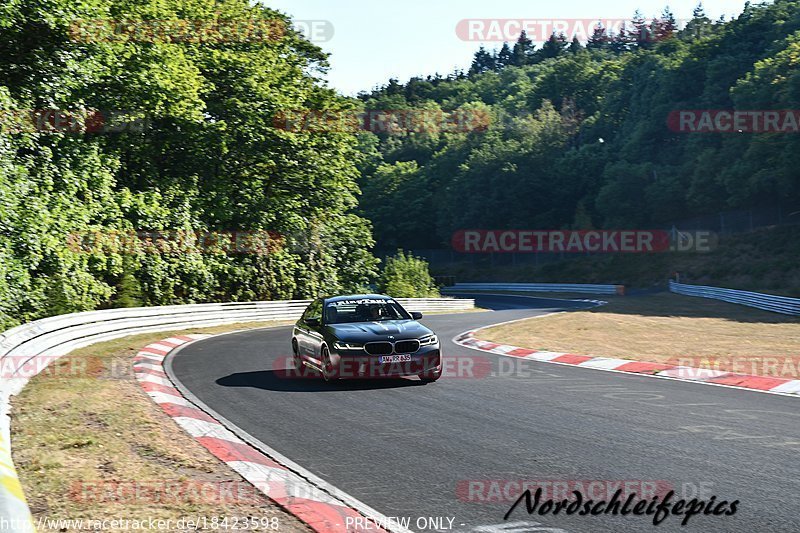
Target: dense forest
[
  {"x": 580, "y": 138},
  {"x": 577, "y": 137},
  {"x": 208, "y": 161}
]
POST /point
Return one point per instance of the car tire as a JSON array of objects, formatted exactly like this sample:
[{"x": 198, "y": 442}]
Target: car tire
[
  {"x": 328, "y": 372},
  {"x": 296, "y": 362},
  {"x": 429, "y": 378}
]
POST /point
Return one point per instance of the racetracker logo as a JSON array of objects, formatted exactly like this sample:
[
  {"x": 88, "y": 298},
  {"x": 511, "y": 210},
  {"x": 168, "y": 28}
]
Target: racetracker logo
[
  {"x": 71, "y": 121},
  {"x": 509, "y": 490},
  {"x": 365, "y": 367},
  {"x": 581, "y": 242},
  {"x": 167, "y": 492},
  {"x": 316, "y": 31},
  {"x": 698, "y": 367},
  {"x": 383, "y": 121},
  {"x": 735, "y": 121},
  {"x": 540, "y": 30},
  {"x": 176, "y": 242},
  {"x": 88, "y": 31},
  {"x": 71, "y": 366}
]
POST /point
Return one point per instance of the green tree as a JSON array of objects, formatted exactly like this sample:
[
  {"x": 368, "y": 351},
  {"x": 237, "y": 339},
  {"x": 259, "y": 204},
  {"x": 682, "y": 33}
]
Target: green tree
[
  {"x": 129, "y": 290},
  {"x": 523, "y": 50},
  {"x": 641, "y": 33},
  {"x": 621, "y": 42},
  {"x": 665, "y": 27},
  {"x": 599, "y": 40},
  {"x": 406, "y": 276},
  {"x": 505, "y": 57},
  {"x": 699, "y": 26},
  {"x": 483, "y": 62},
  {"x": 553, "y": 47}
]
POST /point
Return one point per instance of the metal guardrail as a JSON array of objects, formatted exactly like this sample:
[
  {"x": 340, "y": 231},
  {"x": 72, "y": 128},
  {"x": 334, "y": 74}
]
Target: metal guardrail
[
  {"x": 36, "y": 344},
  {"x": 766, "y": 302},
  {"x": 538, "y": 287}
]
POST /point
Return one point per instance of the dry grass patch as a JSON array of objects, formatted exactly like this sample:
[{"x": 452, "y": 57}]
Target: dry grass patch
[
  {"x": 85, "y": 436},
  {"x": 671, "y": 329}
]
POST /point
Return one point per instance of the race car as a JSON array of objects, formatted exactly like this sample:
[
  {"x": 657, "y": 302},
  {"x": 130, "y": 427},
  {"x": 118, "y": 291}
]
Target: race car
[{"x": 364, "y": 336}]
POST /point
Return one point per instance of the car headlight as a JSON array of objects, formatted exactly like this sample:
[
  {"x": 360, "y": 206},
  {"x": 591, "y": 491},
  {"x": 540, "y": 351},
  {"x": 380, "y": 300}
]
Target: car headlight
[
  {"x": 430, "y": 340},
  {"x": 348, "y": 346}
]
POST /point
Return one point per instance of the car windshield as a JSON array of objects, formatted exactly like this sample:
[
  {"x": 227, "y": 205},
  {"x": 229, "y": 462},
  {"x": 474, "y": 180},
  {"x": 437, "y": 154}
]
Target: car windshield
[{"x": 352, "y": 311}]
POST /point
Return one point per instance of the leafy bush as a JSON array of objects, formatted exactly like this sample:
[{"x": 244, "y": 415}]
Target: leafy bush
[{"x": 406, "y": 276}]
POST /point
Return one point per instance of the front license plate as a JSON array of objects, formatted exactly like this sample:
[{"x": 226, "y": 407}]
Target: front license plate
[{"x": 385, "y": 359}]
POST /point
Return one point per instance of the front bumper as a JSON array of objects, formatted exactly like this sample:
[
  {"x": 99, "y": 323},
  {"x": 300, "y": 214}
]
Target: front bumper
[{"x": 426, "y": 361}]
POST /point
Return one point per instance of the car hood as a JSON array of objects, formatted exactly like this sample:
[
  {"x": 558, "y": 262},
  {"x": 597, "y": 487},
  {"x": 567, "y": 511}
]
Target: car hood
[{"x": 362, "y": 332}]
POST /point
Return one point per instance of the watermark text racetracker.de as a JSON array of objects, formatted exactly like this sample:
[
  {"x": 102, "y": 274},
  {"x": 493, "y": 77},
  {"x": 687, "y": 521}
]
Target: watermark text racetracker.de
[
  {"x": 470, "y": 367},
  {"x": 72, "y": 121},
  {"x": 78, "y": 366},
  {"x": 173, "y": 491},
  {"x": 769, "y": 366},
  {"x": 582, "y": 242},
  {"x": 540, "y": 29},
  {"x": 383, "y": 121},
  {"x": 734, "y": 121},
  {"x": 364, "y": 367},
  {"x": 198, "y": 31},
  {"x": 494, "y": 491},
  {"x": 260, "y": 242}
]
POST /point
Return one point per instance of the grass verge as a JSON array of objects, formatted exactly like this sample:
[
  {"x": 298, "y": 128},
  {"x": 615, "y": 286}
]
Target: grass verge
[
  {"x": 671, "y": 329},
  {"x": 89, "y": 444}
]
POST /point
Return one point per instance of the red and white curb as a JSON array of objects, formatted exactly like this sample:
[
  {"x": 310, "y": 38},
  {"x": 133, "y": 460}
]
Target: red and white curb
[
  {"x": 313, "y": 503},
  {"x": 683, "y": 373}
]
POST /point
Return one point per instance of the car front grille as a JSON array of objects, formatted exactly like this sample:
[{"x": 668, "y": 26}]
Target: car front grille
[
  {"x": 405, "y": 347},
  {"x": 387, "y": 348},
  {"x": 379, "y": 348}
]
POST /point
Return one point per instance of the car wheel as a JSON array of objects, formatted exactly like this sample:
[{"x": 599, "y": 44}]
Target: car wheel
[
  {"x": 328, "y": 372},
  {"x": 429, "y": 378},
  {"x": 296, "y": 362}
]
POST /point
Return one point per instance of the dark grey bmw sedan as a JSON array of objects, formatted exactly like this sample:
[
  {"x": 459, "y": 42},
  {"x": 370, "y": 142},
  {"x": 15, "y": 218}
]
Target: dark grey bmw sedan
[{"x": 365, "y": 336}]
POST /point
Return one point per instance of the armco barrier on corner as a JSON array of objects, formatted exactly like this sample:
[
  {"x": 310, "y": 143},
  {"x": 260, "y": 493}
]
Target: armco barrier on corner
[
  {"x": 766, "y": 302},
  {"x": 539, "y": 287},
  {"x": 50, "y": 338}
]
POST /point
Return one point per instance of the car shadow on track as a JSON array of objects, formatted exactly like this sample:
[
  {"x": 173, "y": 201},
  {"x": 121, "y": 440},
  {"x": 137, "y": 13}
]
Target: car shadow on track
[{"x": 279, "y": 381}]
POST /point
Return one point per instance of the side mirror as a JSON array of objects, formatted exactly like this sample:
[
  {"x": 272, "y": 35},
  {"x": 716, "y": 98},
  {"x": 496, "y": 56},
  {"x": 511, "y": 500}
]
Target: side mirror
[
  {"x": 416, "y": 315},
  {"x": 313, "y": 322}
]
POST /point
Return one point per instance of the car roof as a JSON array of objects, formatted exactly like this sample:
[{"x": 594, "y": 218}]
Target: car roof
[{"x": 358, "y": 297}]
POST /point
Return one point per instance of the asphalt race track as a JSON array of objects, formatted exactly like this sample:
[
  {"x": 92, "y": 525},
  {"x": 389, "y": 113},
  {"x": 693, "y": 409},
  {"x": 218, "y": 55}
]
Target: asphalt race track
[{"x": 411, "y": 450}]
